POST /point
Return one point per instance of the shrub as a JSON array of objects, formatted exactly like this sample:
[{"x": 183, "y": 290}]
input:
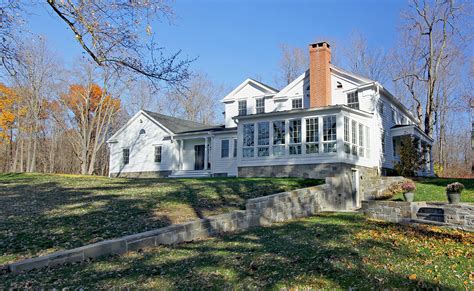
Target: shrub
[
  {"x": 455, "y": 187},
  {"x": 411, "y": 159},
  {"x": 408, "y": 186}
]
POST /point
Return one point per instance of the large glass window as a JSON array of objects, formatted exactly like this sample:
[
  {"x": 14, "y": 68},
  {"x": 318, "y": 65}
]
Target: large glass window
[
  {"x": 263, "y": 139},
  {"x": 242, "y": 107},
  {"x": 248, "y": 140},
  {"x": 279, "y": 138},
  {"x": 158, "y": 154},
  {"x": 354, "y": 138},
  {"x": 312, "y": 135},
  {"x": 260, "y": 105},
  {"x": 367, "y": 141},
  {"x": 329, "y": 134},
  {"x": 126, "y": 156},
  {"x": 361, "y": 140},
  {"x": 353, "y": 100},
  {"x": 347, "y": 146},
  {"x": 295, "y": 137},
  {"x": 225, "y": 148},
  {"x": 297, "y": 103}
]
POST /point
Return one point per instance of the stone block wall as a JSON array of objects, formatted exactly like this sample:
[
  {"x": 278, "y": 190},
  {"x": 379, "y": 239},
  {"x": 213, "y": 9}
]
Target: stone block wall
[
  {"x": 393, "y": 211},
  {"x": 259, "y": 211},
  {"x": 372, "y": 187}
]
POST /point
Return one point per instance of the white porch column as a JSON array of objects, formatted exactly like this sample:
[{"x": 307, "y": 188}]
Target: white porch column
[
  {"x": 205, "y": 154},
  {"x": 180, "y": 155}
]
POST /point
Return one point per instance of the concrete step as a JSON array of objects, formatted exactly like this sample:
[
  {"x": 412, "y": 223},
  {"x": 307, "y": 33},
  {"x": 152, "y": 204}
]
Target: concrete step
[
  {"x": 190, "y": 174},
  {"x": 430, "y": 214}
]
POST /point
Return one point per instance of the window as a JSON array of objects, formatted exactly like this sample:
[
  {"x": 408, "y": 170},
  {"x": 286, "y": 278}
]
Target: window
[
  {"x": 380, "y": 107},
  {"x": 158, "y": 154},
  {"x": 235, "y": 147},
  {"x": 242, "y": 107},
  {"x": 260, "y": 105},
  {"x": 394, "y": 116},
  {"x": 354, "y": 138},
  {"x": 361, "y": 140},
  {"x": 353, "y": 100},
  {"x": 126, "y": 156},
  {"x": 279, "y": 138},
  {"x": 224, "y": 148},
  {"x": 263, "y": 139},
  {"x": 297, "y": 103},
  {"x": 312, "y": 136},
  {"x": 347, "y": 146},
  {"x": 295, "y": 137},
  {"x": 248, "y": 141},
  {"x": 329, "y": 134}
]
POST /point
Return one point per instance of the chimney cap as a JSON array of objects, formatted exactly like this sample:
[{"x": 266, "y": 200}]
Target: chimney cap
[{"x": 320, "y": 44}]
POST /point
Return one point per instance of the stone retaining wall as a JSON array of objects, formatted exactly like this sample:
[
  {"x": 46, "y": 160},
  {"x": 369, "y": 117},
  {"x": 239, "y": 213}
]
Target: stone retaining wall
[
  {"x": 459, "y": 216},
  {"x": 373, "y": 187},
  {"x": 259, "y": 211}
]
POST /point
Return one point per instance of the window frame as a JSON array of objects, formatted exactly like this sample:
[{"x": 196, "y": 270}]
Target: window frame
[
  {"x": 263, "y": 139},
  {"x": 297, "y": 101},
  {"x": 329, "y": 134},
  {"x": 160, "y": 154},
  {"x": 295, "y": 142},
  {"x": 225, "y": 152},
  {"x": 242, "y": 111},
  {"x": 260, "y": 108},
  {"x": 312, "y": 141},
  {"x": 248, "y": 148},
  {"x": 279, "y": 143},
  {"x": 125, "y": 161},
  {"x": 352, "y": 99}
]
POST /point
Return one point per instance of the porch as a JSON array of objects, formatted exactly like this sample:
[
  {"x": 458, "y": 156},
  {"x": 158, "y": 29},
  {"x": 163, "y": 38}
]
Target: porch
[
  {"x": 423, "y": 141},
  {"x": 193, "y": 156}
]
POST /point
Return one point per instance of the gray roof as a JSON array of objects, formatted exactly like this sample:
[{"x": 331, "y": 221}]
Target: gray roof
[{"x": 178, "y": 125}]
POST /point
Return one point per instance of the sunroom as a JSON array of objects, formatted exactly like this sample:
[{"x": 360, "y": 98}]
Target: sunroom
[{"x": 332, "y": 134}]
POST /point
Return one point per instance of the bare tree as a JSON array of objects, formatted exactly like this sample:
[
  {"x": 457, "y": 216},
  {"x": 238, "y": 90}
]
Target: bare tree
[
  {"x": 197, "y": 103},
  {"x": 113, "y": 34},
  {"x": 370, "y": 63},
  {"x": 432, "y": 27},
  {"x": 293, "y": 62}
]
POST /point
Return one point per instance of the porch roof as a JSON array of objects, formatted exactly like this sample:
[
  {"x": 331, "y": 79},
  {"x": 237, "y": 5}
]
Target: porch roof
[{"x": 411, "y": 129}]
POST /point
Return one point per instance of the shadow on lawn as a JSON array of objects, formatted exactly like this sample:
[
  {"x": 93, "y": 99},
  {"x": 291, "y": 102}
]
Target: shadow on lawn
[
  {"x": 57, "y": 215},
  {"x": 443, "y": 182},
  {"x": 322, "y": 254}
]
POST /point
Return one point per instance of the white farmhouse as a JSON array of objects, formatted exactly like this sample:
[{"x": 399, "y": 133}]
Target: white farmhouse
[{"x": 327, "y": 122}]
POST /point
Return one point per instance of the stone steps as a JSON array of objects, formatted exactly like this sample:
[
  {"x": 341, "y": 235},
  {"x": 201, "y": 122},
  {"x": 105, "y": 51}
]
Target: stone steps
[{"x": 430, "y": 214}]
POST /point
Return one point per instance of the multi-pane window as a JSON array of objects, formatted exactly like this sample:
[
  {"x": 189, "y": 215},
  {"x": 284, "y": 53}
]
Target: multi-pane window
[
  {"x": 260, "y": 105},
  {"x": 248, "y": 141},
  {"x": 126, "y": 156},
  {"x": 295, "y": 137},
  {"x": 279, "y": 138},
  {"x": 235, "y": 148},
  {"x": 329, "y": 134},
  {"x": 347, "y": 146},
  {"x": 242, "y": 107},
  {"x": 353, "y": 100},
  {"x": 225, "y": 148},
  {"x": 263, "y": 139},
  {"x": 297, "y": 103},
  {"x": 158, "y": 154},
  {"x": 361, "y": 140},
  {"x": 354, "y": 138},
  {"x": 312, "y": 135}
]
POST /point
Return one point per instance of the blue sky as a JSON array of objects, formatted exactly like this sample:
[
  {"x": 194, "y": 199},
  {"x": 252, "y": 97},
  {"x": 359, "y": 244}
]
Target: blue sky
[{"x": 234, "y": 40}]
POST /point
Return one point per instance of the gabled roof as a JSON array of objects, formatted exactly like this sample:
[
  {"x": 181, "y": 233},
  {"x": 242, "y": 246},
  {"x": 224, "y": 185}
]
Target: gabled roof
[
  {"x": 259, "y": 85},
  {"x": 178, "y": 125},
  {"x": 283, "y": 93}
]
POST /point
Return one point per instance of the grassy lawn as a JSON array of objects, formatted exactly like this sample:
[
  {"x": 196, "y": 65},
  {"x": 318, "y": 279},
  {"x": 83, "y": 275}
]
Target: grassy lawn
[
  {"x": 331, "y": 251},
  {"x": 434, "y": 189},
  {"x": 45, "y": 213}
]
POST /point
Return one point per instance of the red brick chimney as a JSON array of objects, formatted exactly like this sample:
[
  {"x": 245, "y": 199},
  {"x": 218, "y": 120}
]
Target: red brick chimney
[{"x": 319, "y": 74}]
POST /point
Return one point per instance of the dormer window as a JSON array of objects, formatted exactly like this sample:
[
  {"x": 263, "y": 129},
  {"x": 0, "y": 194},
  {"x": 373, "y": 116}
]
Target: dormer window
[
  {"x": 297, "y": 103},
  {"x": 353, "y": 100},
  {"x": 260, "y": 105},
  {"x": 242, "y": 107}
]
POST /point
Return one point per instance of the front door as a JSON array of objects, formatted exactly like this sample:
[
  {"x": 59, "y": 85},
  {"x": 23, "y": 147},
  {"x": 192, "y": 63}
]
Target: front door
[
  {"x": 199, "y": 157},
  {"x": 355, "y": 188}
]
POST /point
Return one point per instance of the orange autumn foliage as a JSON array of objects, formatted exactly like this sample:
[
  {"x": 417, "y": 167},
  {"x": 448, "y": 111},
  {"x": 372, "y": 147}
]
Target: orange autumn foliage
[
  {"x": 7, "y": 115},
  {"x": 87, "y": 100}
]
